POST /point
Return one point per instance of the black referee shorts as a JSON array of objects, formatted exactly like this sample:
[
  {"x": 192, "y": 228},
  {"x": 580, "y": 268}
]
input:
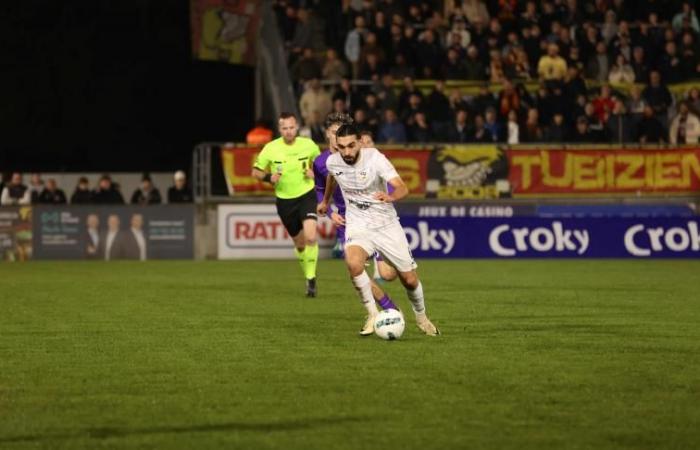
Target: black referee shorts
[{"x": 294, "y": 211}]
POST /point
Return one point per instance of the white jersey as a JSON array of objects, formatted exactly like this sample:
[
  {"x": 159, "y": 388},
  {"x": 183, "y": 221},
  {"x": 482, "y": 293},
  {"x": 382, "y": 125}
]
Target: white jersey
[{"x": 359, "y": 183}]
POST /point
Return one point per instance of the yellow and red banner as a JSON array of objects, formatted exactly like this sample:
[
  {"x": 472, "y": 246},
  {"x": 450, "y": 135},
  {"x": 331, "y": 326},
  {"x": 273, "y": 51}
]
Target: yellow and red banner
[
  {"x": 603, "y": 172},
  {"x": 225, "y": 30},
  {"x": 237, "y": 163}
]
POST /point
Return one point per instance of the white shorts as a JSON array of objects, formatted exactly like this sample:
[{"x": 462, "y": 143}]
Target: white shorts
[{"x": 389, "y": 241}]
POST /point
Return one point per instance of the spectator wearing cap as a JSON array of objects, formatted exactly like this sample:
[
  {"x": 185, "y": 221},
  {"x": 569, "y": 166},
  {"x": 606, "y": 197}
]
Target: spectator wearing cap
[
  {"x": 179, "y": 192},
  {"x": 15, "y": 192},
  {"x": 146, "y": 194},
  {"x": 52, "y": 194},
  {"x": 106, "y": 193},
  {"x": 81, "y": 194}
]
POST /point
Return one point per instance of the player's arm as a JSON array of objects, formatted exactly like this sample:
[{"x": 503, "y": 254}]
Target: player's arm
[
  {"x": 400, "y": 191},
  {"x": 260, "y": 172},
  {"x": 322, "y": 207}
]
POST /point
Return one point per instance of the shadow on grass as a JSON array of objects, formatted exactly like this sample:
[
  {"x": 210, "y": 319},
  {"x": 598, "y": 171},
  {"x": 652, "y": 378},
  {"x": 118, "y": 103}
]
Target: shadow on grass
[{"x": 111, "y": 432}]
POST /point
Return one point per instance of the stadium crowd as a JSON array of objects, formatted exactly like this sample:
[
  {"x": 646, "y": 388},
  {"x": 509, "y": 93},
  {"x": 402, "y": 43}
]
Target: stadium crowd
[
  {"x": 14, "y": 192},
  {"x": 539, "y": 71}
]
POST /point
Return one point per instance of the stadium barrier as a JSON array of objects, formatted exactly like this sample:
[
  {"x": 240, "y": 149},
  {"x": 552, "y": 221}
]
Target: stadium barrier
[
  {"x": 456, "y": 230},
  {"x": 478, "y": 172},
  {"x": 97, "y": 232}
]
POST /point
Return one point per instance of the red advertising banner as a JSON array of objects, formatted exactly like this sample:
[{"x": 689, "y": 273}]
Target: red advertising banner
[
  {"x": 578, "y": 172},
  {"x": 225, "y": 30},
  {"x": 237, "y": 163}
]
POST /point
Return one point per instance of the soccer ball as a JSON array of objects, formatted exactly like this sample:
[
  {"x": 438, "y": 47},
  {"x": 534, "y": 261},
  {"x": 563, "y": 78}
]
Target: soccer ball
[{"x": 389, "y": 324}]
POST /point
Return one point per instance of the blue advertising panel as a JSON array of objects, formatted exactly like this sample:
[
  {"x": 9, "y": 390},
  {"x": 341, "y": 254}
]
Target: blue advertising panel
[{"x": 537, "y": 237}]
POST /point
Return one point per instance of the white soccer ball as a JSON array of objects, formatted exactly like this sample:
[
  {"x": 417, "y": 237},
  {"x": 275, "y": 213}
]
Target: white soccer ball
[{"x": 389, "y": 324}]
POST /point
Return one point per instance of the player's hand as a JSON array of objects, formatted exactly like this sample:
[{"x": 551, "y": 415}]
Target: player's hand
[
  {"x": 322, "y": 208},
  {"x": 309, "y": 173},
  {"x": 383, "y": 197},
  {"x": 337, "y": 219},
  {"x": 275, "y": 177}
]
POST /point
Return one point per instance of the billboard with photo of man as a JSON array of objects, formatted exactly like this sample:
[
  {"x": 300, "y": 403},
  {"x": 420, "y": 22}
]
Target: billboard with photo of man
[{"x": 110, "y": 233}]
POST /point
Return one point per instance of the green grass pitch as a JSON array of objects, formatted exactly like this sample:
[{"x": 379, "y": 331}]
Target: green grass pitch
[{"x": 197, "y": 355}]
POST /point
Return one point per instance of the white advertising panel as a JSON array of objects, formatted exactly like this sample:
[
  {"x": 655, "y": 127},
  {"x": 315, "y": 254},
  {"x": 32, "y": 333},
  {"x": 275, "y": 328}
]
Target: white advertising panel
[{"x": 256, "y": 232}]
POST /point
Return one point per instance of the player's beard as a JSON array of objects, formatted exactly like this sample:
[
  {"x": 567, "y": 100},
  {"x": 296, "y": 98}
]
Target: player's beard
[{"x": 351, "y": 160}]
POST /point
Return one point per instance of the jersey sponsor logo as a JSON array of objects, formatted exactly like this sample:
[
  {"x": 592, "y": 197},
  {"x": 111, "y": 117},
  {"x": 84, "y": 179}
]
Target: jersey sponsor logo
[
  {"x": 360, "y": 205},
  {"x": 507, "y": 241},
  {"x": 643, "y": 241},
  {"x": 425, "y": 238}
]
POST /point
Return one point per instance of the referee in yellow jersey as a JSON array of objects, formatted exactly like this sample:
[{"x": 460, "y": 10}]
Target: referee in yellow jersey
[{"x": 287, "y": 163}]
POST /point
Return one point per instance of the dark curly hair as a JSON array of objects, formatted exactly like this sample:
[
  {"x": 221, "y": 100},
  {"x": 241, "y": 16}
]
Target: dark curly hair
[{"x": 337, "y": 118}]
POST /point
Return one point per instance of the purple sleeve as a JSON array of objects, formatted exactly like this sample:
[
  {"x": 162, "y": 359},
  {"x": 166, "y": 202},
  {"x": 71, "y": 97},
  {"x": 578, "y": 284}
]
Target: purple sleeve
[{"x": 320, "y": 174}]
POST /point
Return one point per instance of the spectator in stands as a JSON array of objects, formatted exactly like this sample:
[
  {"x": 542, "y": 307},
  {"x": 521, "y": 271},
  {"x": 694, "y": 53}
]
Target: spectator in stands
[
  {"x": 430, "y": 54},
  {"x": 303, "y": 37},
  {"x": 460, "y": 130},
  {"x": 391, "y": 130},
  {"x": 639, "y": 64},
  {"x": 496, "y": 72},
  {"x": 474, "y": 68},
  {"x": 687, "y": 14},
  {"x": 409, "y": 88},
  {"x": 420, "y": 131},
  {"x": 179, "y": 192},
  {"x": 657, "y": 95},
  {"x": 334, "y": 69},
  {"x": 598, "y": 65},
  {"x": 438, "y": 108},
  {"x": 106, "y": 193},
  {"x": 475, "y": 11},
  {"x": 459, "y": 37},
  {"x": 649, "y": 128},
  {"x": 620, "y": 124},
  {"x": 580, "y": 133},
  {"x": 621, "y": 72},
  {"x": 36, "y": 186},
  {"x": 82, "y": 194},
  {"x": 557, "y": 131},
  {"x": 508, "y": 99},
  {"x": 370, "y": 68},
  {"x": 635, "y": 102},
  {"x": 604, "y": 103},
  {"x": 347, "y": 93},
  {"x": 494, "y": 126},
  {"x": 314, "y": 98},
  {"x": 361, "y": 122},
  {"x": 260, "y": 134},
  {"x": 689, "y": 55},
  {"x": 531, "y": 131},
  {"x": 693, "y": 99},
  {"x": 685, "y": 127},
  {"x": 513, "y": 128},
  {"x": 52, "y": 194},
  {"x": 373, "y": 110},
  {"x": 551, "y": 66},
  {"x": 670, "y": 64},
  {"x": 147, "y": 194},
  {"x": 454, "y": 67},
  {"x": 3, "y": 177},
  {"x": 15, "y": 193},
  {"x": 305, "y": 68},
  {"x": 481, "y": 134},
  {"x": 313, "y": 129},
  {"x": 353, "y": 43},
  {"x": 385, "y": 92},
  {"x": 484, "y": 99}
]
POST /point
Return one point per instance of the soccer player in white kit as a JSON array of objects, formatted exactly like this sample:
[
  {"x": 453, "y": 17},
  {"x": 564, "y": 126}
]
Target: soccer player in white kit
[{"x": 371, "y": 221}]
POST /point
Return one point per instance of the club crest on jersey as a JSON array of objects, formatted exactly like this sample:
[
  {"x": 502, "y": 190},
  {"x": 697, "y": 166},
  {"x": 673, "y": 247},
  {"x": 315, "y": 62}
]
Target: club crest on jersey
[{"x": 363, "y": 174}]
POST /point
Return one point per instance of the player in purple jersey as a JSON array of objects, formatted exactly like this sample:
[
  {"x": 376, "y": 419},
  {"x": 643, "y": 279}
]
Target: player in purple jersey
[{"x": 333, "y": 122}]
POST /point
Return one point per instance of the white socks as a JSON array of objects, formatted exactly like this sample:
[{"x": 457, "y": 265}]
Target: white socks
[
  {"x": 364, "y": 288},
  {"x": 416, "y": 298}
]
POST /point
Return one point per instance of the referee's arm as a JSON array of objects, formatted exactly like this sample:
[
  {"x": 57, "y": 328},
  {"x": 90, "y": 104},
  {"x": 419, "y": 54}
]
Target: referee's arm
[{"x": 265, "y": 176}]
